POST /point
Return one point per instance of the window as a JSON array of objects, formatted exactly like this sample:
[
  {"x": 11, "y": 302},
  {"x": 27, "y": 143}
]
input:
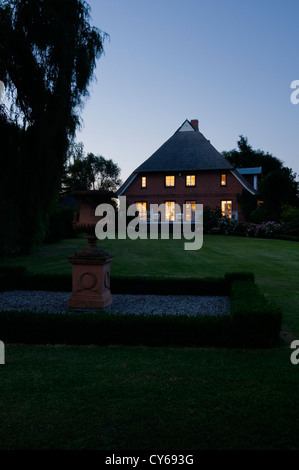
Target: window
[
  {"x": 223, "y": 180},
  {"x": 190, "y": 180},
  {"x": 190, "y": 210},
  {"x": 141, "y": 208},
  {"x": 143, "y": 182},
  {"x": 170, "y": 210},
  {"x": 226, "y": 208},
  {"x": 169, "y": 180}
]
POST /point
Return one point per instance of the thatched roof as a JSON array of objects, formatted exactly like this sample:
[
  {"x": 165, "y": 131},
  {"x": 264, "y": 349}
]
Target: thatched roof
[{"x": 186, "y": 150}]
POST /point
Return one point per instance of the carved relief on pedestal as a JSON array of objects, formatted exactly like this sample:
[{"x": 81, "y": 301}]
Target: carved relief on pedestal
[{"x": 88, "y": 281}]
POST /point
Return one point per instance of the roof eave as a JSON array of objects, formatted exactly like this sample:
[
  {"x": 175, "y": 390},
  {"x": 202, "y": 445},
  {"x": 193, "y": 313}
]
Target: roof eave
[{"x": 244, "y": 182}]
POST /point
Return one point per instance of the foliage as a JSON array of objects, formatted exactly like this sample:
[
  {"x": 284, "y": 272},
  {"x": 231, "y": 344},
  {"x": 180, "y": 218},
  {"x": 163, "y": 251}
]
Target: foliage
[
  {"x": 265, "y": 229},
  {"x": 254, "y": 321},
  {"x": 89, "y": 171},
  {"x": 215, "y": 222},
  {"x": 246, "y": 157},
  {"x": 61, "y": 224},
  {"x": 46, "y": 84},
  {"x": 278, "y": 185},
  {"x": 290, "y": 217}
]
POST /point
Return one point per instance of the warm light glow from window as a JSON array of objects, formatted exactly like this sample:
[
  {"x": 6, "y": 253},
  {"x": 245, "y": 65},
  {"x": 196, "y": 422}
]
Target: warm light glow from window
[
  {"x": 190, "y": 210},
  {"x": 169, "y": 180},
  {"x": 170, "y": 210},
  {"x": 143, "y": 182},
  {"x": 226, "y": 208},
  {"x": 190, "y": 180},
  {"x": 141, "y": 208},
  {"x": 223, "y": 180}
]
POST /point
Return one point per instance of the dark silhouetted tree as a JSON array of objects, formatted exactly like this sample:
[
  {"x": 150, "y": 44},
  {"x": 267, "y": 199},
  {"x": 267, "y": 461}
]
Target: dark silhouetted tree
[
  {"x": 89, "y": 171},
  {"x": 278, "y": 185},
  {"x": 48, "y": 53}
]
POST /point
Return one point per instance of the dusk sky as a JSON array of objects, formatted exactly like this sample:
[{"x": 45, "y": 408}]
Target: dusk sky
[{"x": 229, "y": 64}]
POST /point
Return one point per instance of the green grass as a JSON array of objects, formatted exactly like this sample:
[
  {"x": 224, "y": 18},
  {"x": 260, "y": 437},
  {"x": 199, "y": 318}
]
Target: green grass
[
  {"x": 275, "y": 263},
  {"x": 138, "y": 398},
  {"x": 119, "y": 398}
]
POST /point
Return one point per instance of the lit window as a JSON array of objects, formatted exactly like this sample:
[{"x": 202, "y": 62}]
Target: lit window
[
  {"x": 190, "y": 210},
  {"x": 143, "y": 182},
  {"x": 226, "y": 208},
  {"x": 141, "y": 208},
  {"x": 190, "y": 180},
  {"x": 169, "y": 180},
  {"x": 169, "y": 210},
  {"x": 223, "y": 180}
]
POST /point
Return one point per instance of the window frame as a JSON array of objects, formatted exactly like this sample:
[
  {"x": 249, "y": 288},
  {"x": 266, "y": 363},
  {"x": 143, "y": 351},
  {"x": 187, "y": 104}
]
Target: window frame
[
  {"x": 190, "y": 185},
  {"x": 142, "y": 185},
  {"x": 186, "y": 202},
  {"x": 231, "y": 210},
  {"x": 169, "y": 185},
  {"x": 221, "y": 175},
  {"x": 169, "y": 220},
  {"x": 143, "y": 219}
]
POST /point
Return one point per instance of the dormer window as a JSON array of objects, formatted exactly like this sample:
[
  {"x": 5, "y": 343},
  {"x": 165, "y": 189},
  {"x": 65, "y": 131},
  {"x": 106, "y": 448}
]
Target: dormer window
[
  {"x": 190, "y": 180},
  {"x": 143, "y": 182},
  {"x": 169, "y": 181}
]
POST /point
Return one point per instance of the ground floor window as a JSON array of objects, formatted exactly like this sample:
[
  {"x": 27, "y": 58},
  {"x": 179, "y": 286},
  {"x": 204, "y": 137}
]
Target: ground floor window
[
  {"x": 142, "y": 209},
  {"x": 226, "y": 208},
  {"x": 170, "y": 210},
  {"x": 190, "y": 210}
]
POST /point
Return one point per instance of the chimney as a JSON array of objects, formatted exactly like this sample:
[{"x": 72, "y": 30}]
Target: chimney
[{"x": 194, "y": 123}]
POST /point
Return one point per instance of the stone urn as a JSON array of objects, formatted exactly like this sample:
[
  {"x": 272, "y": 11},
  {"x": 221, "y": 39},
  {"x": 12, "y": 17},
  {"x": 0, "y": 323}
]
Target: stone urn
[{"x": 91, "y": 265}]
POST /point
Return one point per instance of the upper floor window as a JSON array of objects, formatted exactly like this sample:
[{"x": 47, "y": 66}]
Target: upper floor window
[
  {"x": 190, "y": 180},
  {"x": 143, "y": 182},
  {"x": 169, "y": 181},
  {"x": 223, "y": 180}
]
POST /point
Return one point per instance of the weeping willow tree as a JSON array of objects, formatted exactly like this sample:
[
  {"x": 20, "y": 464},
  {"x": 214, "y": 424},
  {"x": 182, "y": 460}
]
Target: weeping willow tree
[{"x": 48, "y": 54}]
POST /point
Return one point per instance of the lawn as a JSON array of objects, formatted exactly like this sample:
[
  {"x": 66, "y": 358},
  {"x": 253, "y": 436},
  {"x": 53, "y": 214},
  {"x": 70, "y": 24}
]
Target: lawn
[
  {"x": 117, "y": 398},
  {"x": 275, "y": 263}
]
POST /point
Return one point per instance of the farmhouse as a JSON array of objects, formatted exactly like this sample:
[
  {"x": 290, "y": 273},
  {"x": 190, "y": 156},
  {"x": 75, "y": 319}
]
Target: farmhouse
[{"x": 188, "y": 170}]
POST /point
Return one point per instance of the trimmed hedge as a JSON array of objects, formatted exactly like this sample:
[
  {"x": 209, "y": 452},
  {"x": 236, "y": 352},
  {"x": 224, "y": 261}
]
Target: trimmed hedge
[
  {"x": 253, "y": 322},
  {"x": 105, "y": 329},
  {"x": 16, "y": 277}
]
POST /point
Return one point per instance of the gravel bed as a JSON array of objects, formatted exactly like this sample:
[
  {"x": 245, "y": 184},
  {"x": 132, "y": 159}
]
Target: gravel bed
[{"x": 56, "y": 302}]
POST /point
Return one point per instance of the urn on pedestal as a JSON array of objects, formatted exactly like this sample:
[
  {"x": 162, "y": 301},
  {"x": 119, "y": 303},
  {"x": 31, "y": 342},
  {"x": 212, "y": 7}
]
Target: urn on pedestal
[{"x": 90, "y": 266}]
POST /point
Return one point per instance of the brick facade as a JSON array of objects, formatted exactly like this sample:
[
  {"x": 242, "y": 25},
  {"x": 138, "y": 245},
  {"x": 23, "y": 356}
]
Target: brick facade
[
  {"x": 187, "y": 153},
  {"x": 207, "y": 191}
]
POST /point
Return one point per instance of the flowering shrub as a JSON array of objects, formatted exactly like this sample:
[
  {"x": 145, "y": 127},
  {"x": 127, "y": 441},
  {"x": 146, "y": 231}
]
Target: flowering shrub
[
  {"x": 225, "y": 225},
  {"x": 263, "y": 229}
]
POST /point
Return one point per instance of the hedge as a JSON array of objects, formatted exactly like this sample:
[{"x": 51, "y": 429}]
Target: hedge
[
  {"x": 253, "y": 322},
  {"x": 17, "y": 277}
]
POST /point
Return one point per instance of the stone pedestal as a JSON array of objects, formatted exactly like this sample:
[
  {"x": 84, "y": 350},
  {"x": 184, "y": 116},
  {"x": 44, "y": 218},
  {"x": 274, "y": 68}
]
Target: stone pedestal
[
  {"x": 91, "y": 280},
  {"x": 91, "y": 266}
]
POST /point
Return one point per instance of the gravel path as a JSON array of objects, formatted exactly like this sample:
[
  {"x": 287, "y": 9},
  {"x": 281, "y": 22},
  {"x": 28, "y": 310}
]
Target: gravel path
[{"x": 56, "y": 302}]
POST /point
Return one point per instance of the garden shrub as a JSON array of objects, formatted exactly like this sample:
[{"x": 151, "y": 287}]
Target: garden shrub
[
  {"x": 61, "y": 224},
  {"x": 253, "y": 322}
]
